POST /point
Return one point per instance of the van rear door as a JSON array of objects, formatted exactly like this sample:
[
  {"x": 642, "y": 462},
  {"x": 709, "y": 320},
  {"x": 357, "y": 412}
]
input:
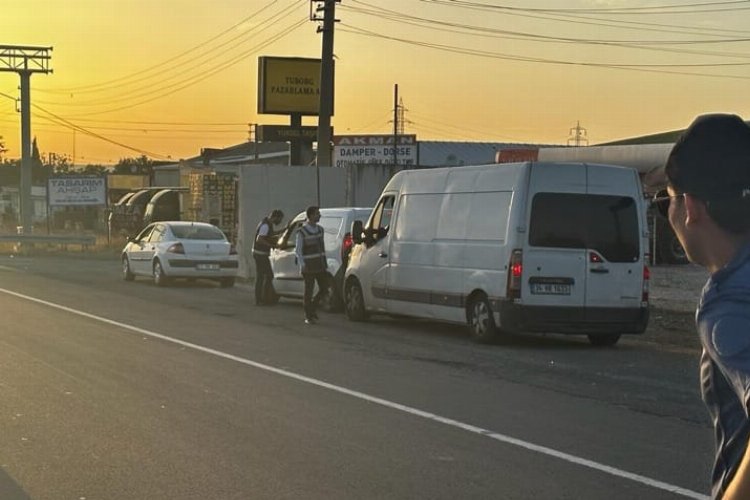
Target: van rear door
[
  {"x": 614, "y": 241},
  {"x": 554, "y": 261}
]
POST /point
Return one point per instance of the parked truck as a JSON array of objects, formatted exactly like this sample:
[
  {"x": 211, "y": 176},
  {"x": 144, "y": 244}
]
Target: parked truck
[
  {"x": 136, "y": 209},
  {"x": 647, "y": 159}
]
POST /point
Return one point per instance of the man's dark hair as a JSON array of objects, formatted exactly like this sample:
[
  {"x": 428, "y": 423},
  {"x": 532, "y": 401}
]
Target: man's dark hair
[
  {"x": 276, "y": 214},
  {"x": 311, "y": 210},
  {"x": 711, "y": 161}
]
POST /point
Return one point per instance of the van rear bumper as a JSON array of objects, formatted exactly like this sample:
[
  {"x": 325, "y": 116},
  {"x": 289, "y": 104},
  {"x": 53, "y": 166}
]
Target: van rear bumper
[{"x": 578, "y": 320}]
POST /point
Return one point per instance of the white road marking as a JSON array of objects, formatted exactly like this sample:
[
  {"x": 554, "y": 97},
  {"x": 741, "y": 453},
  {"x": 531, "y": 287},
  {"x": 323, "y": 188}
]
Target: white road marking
[{"x": 647, "y": 481}]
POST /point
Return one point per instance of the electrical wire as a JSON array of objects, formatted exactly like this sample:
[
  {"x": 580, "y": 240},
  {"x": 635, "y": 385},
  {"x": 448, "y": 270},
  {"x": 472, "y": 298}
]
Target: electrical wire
[
  {"x": 135, "y": 94},
  {"x": 137, "y": 76},
  {"x": 655, "y": 68}
]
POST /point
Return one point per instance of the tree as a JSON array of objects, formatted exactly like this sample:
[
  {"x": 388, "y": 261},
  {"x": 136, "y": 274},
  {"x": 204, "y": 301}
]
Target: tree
[{"x": 139, "y": 165}]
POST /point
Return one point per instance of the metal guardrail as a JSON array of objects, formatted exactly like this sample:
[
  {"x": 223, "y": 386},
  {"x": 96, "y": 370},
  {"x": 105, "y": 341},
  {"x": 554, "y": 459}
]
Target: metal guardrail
[{"x": 83, "y": 240}]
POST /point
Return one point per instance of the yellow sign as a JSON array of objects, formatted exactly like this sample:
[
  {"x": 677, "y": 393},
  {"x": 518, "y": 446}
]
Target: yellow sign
[
  {"x": 288, "y": 85},
  {"x": 130, "y": 182}
]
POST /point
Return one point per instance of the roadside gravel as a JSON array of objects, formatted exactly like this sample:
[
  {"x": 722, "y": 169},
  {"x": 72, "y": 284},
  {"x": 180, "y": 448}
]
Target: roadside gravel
[{"x": 674, "y": 295}]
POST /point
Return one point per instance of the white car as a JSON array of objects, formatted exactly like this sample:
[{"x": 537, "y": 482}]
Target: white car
[
  {"x": 337, "y": 223},
  {"x": 181, "y": 249}
]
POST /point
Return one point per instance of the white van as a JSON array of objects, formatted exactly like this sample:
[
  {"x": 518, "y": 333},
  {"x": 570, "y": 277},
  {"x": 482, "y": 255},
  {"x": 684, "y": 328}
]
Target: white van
[{"x": 519, "y": 247}]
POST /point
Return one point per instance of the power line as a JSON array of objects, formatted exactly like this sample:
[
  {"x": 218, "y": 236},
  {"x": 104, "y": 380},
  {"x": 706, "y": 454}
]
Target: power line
[
  {"x": 653, "y": 68},
  {"x": 171, "y": 89},
  {"x": 663, "y": 9},
  {"x": 155, "y": 88},
  {"x": 117, "y": 82}
]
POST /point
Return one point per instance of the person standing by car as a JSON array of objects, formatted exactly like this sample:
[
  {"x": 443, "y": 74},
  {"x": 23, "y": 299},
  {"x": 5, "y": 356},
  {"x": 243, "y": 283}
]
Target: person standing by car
[
  {"x": 311, "y": 257},
  {"x": 265, "y": 239},
  {"x": 707, "y": 202}
]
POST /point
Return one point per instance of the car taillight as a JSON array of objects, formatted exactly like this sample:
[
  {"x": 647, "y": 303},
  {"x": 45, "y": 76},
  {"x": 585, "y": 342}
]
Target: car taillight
[
  {"x": 515, "y": 272},
  {"x": 232, "y": 250},
  {"x": 176, "y": 248},
  {"x": 347, "y": 244},
  {"x": 646, "y": 281}
]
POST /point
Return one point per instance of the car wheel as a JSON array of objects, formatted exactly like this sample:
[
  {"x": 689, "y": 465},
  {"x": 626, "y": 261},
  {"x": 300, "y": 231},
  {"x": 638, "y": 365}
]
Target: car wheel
[
  {"x": 160, "y": 279},
  {"x": 226, "y": 282},
  {"x": 355, "y": 301},
  {"x": 604, "y": 340},
  {"x": 127, "y": 274},
  {"x": 481, "y": 320}
]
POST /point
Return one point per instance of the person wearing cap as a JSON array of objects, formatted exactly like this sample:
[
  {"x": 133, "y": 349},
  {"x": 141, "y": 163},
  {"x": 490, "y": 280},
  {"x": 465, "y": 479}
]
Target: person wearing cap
[
  {"x": 310, "y": 254},
  {"x": 707, "y": 202},
  {"x": 265, "y": 239}
]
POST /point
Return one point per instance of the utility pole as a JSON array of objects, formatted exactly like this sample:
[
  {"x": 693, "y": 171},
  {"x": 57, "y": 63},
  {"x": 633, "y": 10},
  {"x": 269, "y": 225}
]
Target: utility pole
[
  {"x": 578, "y": 135},
  {"x": 326, "y": 83},
  {"x": 25, "y": 60},
  {"x": 395, "y": 128}
]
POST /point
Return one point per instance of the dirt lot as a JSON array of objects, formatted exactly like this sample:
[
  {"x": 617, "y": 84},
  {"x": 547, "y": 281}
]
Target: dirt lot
[{"x": 674, "y": 295}]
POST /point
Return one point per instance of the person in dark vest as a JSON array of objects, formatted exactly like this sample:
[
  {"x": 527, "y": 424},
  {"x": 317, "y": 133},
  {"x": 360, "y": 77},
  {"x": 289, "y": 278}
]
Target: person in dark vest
[
  {"x": 265, "y": 239},
  {"x": 311, "y": 257}
]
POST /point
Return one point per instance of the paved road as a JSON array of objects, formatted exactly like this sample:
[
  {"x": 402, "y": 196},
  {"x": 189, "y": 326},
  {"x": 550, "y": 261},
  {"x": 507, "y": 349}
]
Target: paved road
[{"x": 115, "y": 390}]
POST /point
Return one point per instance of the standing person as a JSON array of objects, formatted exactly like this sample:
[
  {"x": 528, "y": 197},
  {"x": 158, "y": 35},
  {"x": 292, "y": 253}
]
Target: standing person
[
  {"x": 311, "y": 257},
  {"x": 707, "y": 202},
  {"x": 265, "y": 239}
]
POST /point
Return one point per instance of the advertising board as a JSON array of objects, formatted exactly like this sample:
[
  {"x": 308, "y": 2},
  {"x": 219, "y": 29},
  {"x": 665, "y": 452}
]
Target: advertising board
[
  {"x": 374, "y": 150},
  {"x": 77, "y": 190},
  {"x": 288, "y": 85}
]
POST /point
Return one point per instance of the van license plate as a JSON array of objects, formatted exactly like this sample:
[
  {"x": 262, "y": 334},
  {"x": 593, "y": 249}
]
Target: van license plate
[
  {"x": 550, "y": 289},
  {"x": 207, "y": 267}
]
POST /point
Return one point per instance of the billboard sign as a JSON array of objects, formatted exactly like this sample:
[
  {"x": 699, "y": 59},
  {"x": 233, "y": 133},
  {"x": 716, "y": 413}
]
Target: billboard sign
[
  {"x": 374, "y": 150},
  {"x": 77, "y": 190},
  {"x": 288, "y": 85},
  {"x": 286, "y": 133}
]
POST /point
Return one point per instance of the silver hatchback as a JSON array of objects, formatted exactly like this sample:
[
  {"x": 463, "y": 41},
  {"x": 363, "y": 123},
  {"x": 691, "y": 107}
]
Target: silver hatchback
[{"x": 336, "y": 222}]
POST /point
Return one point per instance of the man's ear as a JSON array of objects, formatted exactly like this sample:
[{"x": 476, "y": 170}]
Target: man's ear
[{"x": 695, "y": 210}]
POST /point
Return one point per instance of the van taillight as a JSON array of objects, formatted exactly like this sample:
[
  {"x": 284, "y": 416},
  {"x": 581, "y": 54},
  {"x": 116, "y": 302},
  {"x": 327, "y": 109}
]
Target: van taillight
[
  {"x": 646, "y": 281},
  {"x": 347, "y": 244},
  {"x": 514, "y": 276},
  {"x": 176, "y": 248}
]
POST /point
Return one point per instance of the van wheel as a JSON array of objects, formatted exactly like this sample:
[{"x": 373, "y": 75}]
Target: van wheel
[
  {"x": 481, "y": 321},
  {"x": 127, "y": 274},
  {"x": 355, "y": 302},
  {"x": 160, "y": 279},
  {"x": 604, "y": 340}
]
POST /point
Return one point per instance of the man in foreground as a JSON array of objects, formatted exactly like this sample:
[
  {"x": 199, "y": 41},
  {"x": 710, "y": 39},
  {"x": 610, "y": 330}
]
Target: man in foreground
[{"x": 707, "y": 202}]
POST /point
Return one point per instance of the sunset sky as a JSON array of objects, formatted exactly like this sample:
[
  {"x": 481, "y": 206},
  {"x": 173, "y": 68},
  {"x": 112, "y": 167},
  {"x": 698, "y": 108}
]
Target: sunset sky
[{"x": 167, "y": 78}]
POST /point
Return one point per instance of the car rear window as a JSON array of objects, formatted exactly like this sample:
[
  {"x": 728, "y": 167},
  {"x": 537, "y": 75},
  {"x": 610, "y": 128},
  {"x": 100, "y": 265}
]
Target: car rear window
[
  {"x": 604, "y": 223},
  {"x": 198, "y": 233},
  {"x": 331, "y": 227}
]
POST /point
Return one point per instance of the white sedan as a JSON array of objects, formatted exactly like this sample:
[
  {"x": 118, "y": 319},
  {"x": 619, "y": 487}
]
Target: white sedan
[{"x": 166, "y": 250}]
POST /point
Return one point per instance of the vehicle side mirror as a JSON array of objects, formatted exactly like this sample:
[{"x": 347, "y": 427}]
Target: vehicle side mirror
[
  {"x": 132, "y": 239},
  {"x": 369, "y": 236},
  {"x": 356, "y": 232},
  {"x": 382, "y": 232}
]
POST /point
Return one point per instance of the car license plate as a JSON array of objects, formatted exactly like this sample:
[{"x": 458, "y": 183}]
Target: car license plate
[
  {"x": 207, "y": 267},
  {"x": 550, "y": 289}
]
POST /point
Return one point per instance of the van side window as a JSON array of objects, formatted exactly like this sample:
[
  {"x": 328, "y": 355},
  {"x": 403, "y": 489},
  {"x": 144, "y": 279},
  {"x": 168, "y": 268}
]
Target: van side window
[
  {"x": 604, "y": 223},
  {"x": 381, "y": 216}
]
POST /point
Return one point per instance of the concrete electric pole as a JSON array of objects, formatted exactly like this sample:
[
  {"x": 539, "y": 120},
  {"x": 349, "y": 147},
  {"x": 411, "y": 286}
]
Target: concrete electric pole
[
  {"x": 326, "y": 80},
  {"x": 25, "y": 61}
]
